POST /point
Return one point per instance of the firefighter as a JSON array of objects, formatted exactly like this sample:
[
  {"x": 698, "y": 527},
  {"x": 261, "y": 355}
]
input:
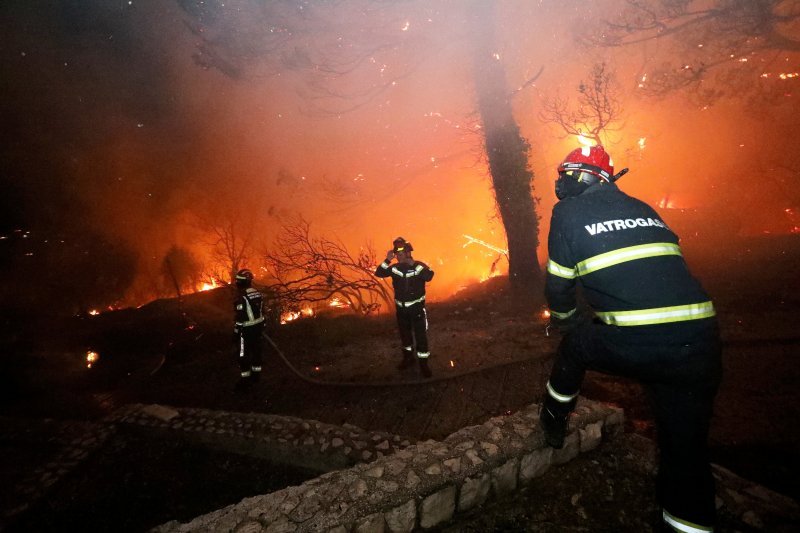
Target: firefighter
[
  {"x": 248, "y": 326},
  {"x": 408, "y": 280},
  {"x": 653, "y": 322}
]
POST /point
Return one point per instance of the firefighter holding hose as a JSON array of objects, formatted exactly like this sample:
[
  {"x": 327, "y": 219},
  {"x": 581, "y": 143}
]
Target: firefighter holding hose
[
  {"x": 248, "y": 327},
  {"x": 653, "y": 322}
]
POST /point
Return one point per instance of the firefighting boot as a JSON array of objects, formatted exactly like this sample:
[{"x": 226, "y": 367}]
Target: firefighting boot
[
  {"x": 554, "y": 426},
  {"x": 424, "y": 369},
  {"x": 408, "y": 359}
]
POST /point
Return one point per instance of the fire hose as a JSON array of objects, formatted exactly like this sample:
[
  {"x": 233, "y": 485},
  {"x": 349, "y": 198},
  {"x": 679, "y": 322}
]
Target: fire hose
[
  {"x": 426, "y": 381},
  {"x": 371, "y": 384}
]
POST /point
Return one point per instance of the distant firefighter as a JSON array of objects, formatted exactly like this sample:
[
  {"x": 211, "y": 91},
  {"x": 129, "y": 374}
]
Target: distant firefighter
[
  {"x": 408, "y": 279},
  {"x": 248, "y": 326},
  {"x": 653, "y": 322}
]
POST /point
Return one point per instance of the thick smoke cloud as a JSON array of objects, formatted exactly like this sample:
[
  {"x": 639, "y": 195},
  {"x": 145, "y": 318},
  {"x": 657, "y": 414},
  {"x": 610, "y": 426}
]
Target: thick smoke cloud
[{"x": 132, "y": 123}]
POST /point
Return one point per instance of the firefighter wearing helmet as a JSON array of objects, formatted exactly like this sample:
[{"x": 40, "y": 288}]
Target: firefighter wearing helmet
[
  {"x": 408, "y": 280},
  {"x": 248, "y": 326},
  {"x": 653, "y": 322}
]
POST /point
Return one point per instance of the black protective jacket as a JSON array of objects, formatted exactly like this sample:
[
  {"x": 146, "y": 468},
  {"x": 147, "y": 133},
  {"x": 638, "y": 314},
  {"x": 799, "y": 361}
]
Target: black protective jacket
[
  {"x": 408, "y": 280},
  {"x": 628, "y": 262},
  {"x": 248, "y": 308}
]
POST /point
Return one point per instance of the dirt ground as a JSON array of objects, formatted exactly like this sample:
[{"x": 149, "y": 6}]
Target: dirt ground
[{"x": 490, "y": 356}]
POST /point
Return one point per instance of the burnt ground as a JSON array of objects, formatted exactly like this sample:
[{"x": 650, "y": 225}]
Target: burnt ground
[{"x": 490, "y": 356}]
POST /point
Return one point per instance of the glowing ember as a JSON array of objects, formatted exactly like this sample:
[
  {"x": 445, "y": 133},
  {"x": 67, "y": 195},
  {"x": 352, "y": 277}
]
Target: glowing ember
[
  {"x": 316, "y": 369},
  {"x": 206, "y": 286},
  {"x": 546, "y": 314},
  {"x": 94, "y": 312},
  {"x": 91, "y": 358},
  {"x": 452, "y": 363},
  {"x": 666, "y": 203},
  {"x": 294, "y": 315},
  {"x": 336, "y": 302},
  {"x": 490, "y": 275}
]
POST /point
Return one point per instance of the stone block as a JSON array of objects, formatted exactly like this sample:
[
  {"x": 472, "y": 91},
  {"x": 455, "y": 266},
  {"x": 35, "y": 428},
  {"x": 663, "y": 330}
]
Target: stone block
[
  {"x": 504, "y": 477},
  {"x": 535, "y": 464},
  {"x": 402, "y": 519},
  {"x": 474, "y": 491},
  {"x": 569, "y": 451},
  {"x": 373, "y": 523},
  {"x": 590, "y": 436},
  {"x": 438, "y": 507}
]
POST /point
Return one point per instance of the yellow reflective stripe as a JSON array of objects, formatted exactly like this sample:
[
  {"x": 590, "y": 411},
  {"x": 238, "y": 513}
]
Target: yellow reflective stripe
[
  {"x": 658, "y": 315},
  {"x": 560, "y": 271},
  {"x": 562, "y": 398},
  {"x": 684, "y": 525},
  {"x": 563, "y": 316},
  {"x": 409, "y": 304},
  {"x": 622, "y": 255},
  {"x": 246, "y": 323}
]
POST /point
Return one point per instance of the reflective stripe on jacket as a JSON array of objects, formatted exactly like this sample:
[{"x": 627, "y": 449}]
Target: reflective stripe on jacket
[{"x": 628, "y": 261}]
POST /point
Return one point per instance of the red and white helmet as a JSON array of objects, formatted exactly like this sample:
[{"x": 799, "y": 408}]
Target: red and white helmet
[{"x": 593, "y": 160}]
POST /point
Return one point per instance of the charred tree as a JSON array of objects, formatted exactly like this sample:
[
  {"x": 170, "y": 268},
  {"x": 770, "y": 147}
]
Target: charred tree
[{"x": 507, "y": 153}]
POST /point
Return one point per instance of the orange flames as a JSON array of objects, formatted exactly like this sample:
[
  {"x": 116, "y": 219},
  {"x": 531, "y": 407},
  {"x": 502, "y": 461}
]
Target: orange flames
[
  {"x": 207, "y": 286},
  {"x": 294, "y": 315}
]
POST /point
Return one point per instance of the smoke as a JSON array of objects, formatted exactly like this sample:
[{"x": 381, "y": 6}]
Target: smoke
[{"x": 139, "y": 121}]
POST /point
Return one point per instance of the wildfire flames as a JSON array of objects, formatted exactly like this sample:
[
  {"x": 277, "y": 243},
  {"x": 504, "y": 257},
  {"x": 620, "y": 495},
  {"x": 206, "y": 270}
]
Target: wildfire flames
[
  {"x": 207, "y": 286},
  {"x": 294, "y": 315}
]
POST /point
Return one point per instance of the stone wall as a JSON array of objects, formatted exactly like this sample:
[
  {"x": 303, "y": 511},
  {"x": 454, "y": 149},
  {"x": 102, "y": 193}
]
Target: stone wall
[{"x": 396, "y": 486}]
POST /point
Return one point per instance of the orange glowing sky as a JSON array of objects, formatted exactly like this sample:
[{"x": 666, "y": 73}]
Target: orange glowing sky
[{"x": 149, "y": 150}]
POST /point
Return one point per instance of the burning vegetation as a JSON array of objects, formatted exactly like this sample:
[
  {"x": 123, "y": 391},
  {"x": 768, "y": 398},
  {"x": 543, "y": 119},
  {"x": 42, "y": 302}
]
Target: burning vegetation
[{"x": 306, "y": 133}]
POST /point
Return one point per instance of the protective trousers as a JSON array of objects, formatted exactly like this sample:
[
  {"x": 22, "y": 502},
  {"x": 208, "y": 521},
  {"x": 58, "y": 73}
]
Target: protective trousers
[
  {"x": 248, "y": 349},
  {"x": 681, "y": 381},
  {"x": 413, "y": 325}
]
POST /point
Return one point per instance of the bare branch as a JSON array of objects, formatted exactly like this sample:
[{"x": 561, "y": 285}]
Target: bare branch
[
  {"x": 307, "y": 270},
  {"x": 720, "y": 43},
  {"x": 595, "y": 111}
]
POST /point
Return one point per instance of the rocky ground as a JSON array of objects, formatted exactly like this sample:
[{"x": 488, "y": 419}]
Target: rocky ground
[{"x": 490, "y": 357}]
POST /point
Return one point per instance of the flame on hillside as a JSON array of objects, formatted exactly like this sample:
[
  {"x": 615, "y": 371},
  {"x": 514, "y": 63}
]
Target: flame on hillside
[
  {"x": 208, "y": 285},
  {"x": 294, "y": 315},
  {"x": 337, "y": 302}
]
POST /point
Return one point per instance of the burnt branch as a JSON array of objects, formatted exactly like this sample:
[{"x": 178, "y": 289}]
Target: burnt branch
[
  {"x": 595, "y": 110},
  {"x": 312, "y": 270},
  {"x": 725, "y": 43}
]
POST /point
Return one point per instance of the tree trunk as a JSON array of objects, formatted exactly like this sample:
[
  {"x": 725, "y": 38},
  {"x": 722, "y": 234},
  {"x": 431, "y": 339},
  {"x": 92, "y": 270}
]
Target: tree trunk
[{"x": 507, "y": 152}]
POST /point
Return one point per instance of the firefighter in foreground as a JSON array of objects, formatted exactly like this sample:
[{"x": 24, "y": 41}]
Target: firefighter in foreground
[
  {"x": 408, "y": 280},
  {"x": 248, "y": 326},
  {"x": 653, "y": 323}
]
